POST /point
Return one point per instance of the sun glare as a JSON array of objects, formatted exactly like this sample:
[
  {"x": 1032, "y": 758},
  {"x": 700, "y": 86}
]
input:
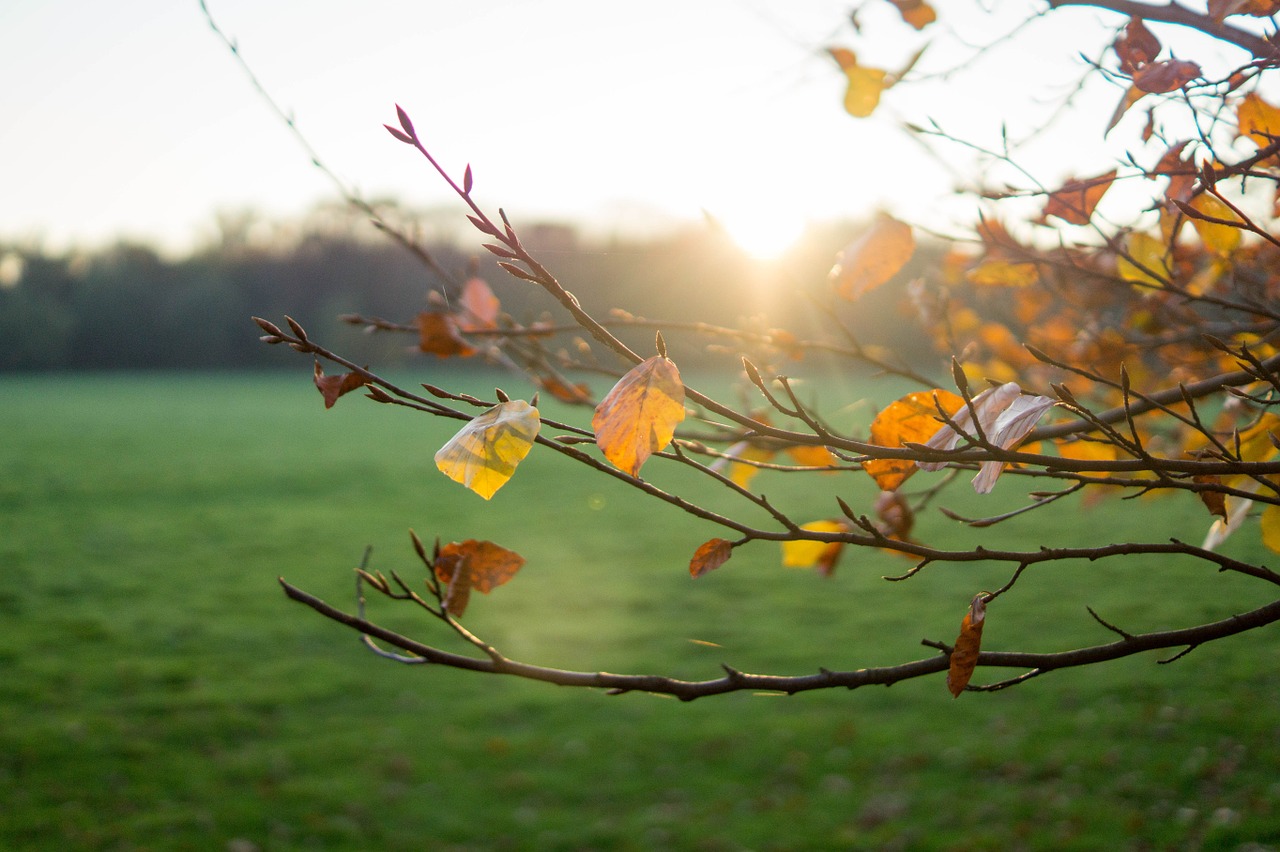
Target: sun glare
[{"x": 761, "y": 234}]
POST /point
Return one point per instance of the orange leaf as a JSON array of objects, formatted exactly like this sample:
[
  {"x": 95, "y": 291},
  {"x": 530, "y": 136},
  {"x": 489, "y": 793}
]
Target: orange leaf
[
  {"x": 438, "y": 335},
  {"x": 865, "y": 84},
  {"x": 873, "y": 258},
  {"x": 1075, "y": 201},
  {"x": 917, "y": 13},
  {"x": 639, "y": 416},
  {"x": 576, "y": 394},
  {"x": 1167, "y": 76},
  {"x": 1214, "y": 501},
  {"x": 911, "y": 419},
  {"x": 479, "y": 565},
  {"x": 710, "y": 556},
  {"x": 332, "y": 387},
  {"x": 964, "y": 658},
  {"x": 821, "y": 555},
  {"x": 477, "y": 307},
  {"x": 1003, "y": 273}
]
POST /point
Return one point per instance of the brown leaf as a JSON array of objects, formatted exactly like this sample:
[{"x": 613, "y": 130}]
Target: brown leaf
[
  {"x": 964, "y": 658},
  {"x": 911, "y": 419},
  {"x": 1167, "y": 76},
  {"x": 332, "y": 387},
  {"x": 917, "y": 13},
  {"x": 1214, "y": 501},
  {"x": 895, "y": 516},
  {"x": 576, "y": 394},
  {"x": 438, "y": 335},
  {"x": 710, "y": 556},
  {"x": 639, "y": 416},
  {"x": 873, "y": 258},
  {"x": 1075, "y": 201},
  {"x": 471, "y": 564},
  {"x": 1136, "y": 46}
]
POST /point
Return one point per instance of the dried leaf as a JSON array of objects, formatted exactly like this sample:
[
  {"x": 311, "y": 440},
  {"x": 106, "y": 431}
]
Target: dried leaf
[
  {"x": 917, "y": 13},
  {"x": 639, "y": 416},
  {"x": 1005, "y": 416},
  {"x": 485, "y": 452},
  {"x": 1219, "y": 9},
  {"x": 1136, "y": 46},
  {"x": 332, "y": 387},
  {"x": 894, "y": 515},
  {"x": 710, "y": 556},
  {"x": 964, "y": 658},
  {"x": 874, "y": 258},
  {"x": 575, "y": 394},
  {"x": 821, "y": 555},
  {"x": 438, "y": 335},
  {"x": 471, "y": 564},
  {"x": 1214, "y": 501},
  {"x": 1075, "y": 201},
  {"x": 1167, "y": 76},
  {"x": 911, "y": 419}
]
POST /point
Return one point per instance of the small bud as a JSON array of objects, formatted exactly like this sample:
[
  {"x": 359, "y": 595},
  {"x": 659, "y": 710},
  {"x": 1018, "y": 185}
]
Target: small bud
[
  {"x": 467, "y": 180},
  {"x": 405, "y": 122},
  {"x": 399, "y": 134}
]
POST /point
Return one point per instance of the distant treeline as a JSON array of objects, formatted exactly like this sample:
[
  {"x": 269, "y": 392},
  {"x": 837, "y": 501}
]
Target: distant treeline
[{"x": 128, "y": 307}]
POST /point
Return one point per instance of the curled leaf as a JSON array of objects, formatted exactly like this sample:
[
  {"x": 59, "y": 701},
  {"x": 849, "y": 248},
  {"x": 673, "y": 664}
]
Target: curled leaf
[
  {"x": 639, "y": 416},
  {"x": 332, "y": 387},
  {"x": 710, "y": 556},
  {"x": 485, "y": 452},
  {"x": 438, "y": 335},
  {"x": 471, "y": 564},
  {"x": 1075, "y": 201},
  {"x": 1005, "y": 417},
  {"x": 964, "y": 658}
]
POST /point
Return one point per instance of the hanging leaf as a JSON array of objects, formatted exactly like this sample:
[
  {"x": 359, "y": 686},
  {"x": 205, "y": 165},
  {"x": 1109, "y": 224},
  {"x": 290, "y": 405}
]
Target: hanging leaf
[
  {"x": 710, "y": 556},
  {"x": 911, "y": 419},
  {"x": 1136, "y": 46},
  {"x": 1219, "y": 238},
  {"x": 639, "y": 416},
  {"x": 1214, "y": 501},
  {"x": 917, "y": 13},
  {"x": 1146, "y": 262},
  {"x": 865, "y": 84},
  {"x": 485, "y": 452},
  {"x": 575, "y": 394},
  {"x": 332, "y": 387},
  {"x": 873, "y": 258},
  {"x": 1005, "y": 417},
  {"x": 1270, "y": 522},
  {"x": 477, "y": 306},
  {"x": 968, "y": 645},
  {"x": 1258, "y": 120},
  {"x": 821, "y": 555},
  {"x": 1075, "y": 201},
  {"x": 438, "y": 335},
  {"x": 471, "y": 564},
  {"x": 894, "y": 516},
  {"x": 1167, "y": 76}
]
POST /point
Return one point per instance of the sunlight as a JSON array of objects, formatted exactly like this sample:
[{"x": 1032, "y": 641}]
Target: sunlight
[{"x": 763, "y": 234}]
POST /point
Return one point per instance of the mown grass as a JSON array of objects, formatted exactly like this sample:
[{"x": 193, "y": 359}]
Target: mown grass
[{"x": 158, "y": 691}]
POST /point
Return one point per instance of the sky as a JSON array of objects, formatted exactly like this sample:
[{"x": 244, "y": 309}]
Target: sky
[{"x": 131, "y": 119}]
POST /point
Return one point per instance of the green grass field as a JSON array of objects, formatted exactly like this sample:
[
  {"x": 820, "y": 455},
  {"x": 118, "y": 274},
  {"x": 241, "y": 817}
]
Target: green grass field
[{"x": 158, "y": 691}]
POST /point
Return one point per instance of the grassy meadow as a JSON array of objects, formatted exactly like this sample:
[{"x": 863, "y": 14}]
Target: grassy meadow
[{"x": 158, "y": 691}]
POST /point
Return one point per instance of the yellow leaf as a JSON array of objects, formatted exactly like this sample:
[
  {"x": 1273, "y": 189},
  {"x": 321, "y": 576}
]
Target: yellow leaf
[
  {"x": 1003, "y": 273},
  {"x": 639, "y": 416},
  {"x": 1146, "y": 261},
  {"x": 485, "y": 452},
  {"x": 873, "y": 258},
  {"x": 1258, "y": 120},
  {"x": 1088, "y": 451},
  {"x": 1271, "y": 528},
  {"x": 1220, "y": 239},
  {"x": 865, "y": 84},
  {"x": 814, "y": 554}
]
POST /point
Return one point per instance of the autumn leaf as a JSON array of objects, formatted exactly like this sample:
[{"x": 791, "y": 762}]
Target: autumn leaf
[
  {"x": 575, "y": 394},
  {"x": 1219, "y": 238},
  {"x": 332, "y": 387},
  {"x": 917, "y": 13},
  {"x": 894, "y": 516},
  {"x": 1136, "y": 46},
  {"x": 471, "y": 564},
  {"x": 865, "y": 85},
  {"x": 874, "y": 258},
  {"x": 477, "y": 307},
  {"x": 438, "y": 335},
  {"x": 822, "y": 555},
  {"x": 485, "y": 452},
  {"x": 639, "y": 416},
  {"x": 738, "y": 457},
  {"x": 710, "y": 556},
  {"x": 1167, "y": 76},
  {"x": 964, "y": 658},
  {"x": 1146, "y": 261},
  {"x": 1219, "y": 9},
  {"x": 1258, "y": 120},
  {"x": 1214, "y": 501},
  {"x": 911, "y": 419},
  {"x": 1003, "y": 273},
  {"x": 1130, "y": 97},
  {"x": 1075, "y": 201},
  {"x": 1087, "y": 450}
]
